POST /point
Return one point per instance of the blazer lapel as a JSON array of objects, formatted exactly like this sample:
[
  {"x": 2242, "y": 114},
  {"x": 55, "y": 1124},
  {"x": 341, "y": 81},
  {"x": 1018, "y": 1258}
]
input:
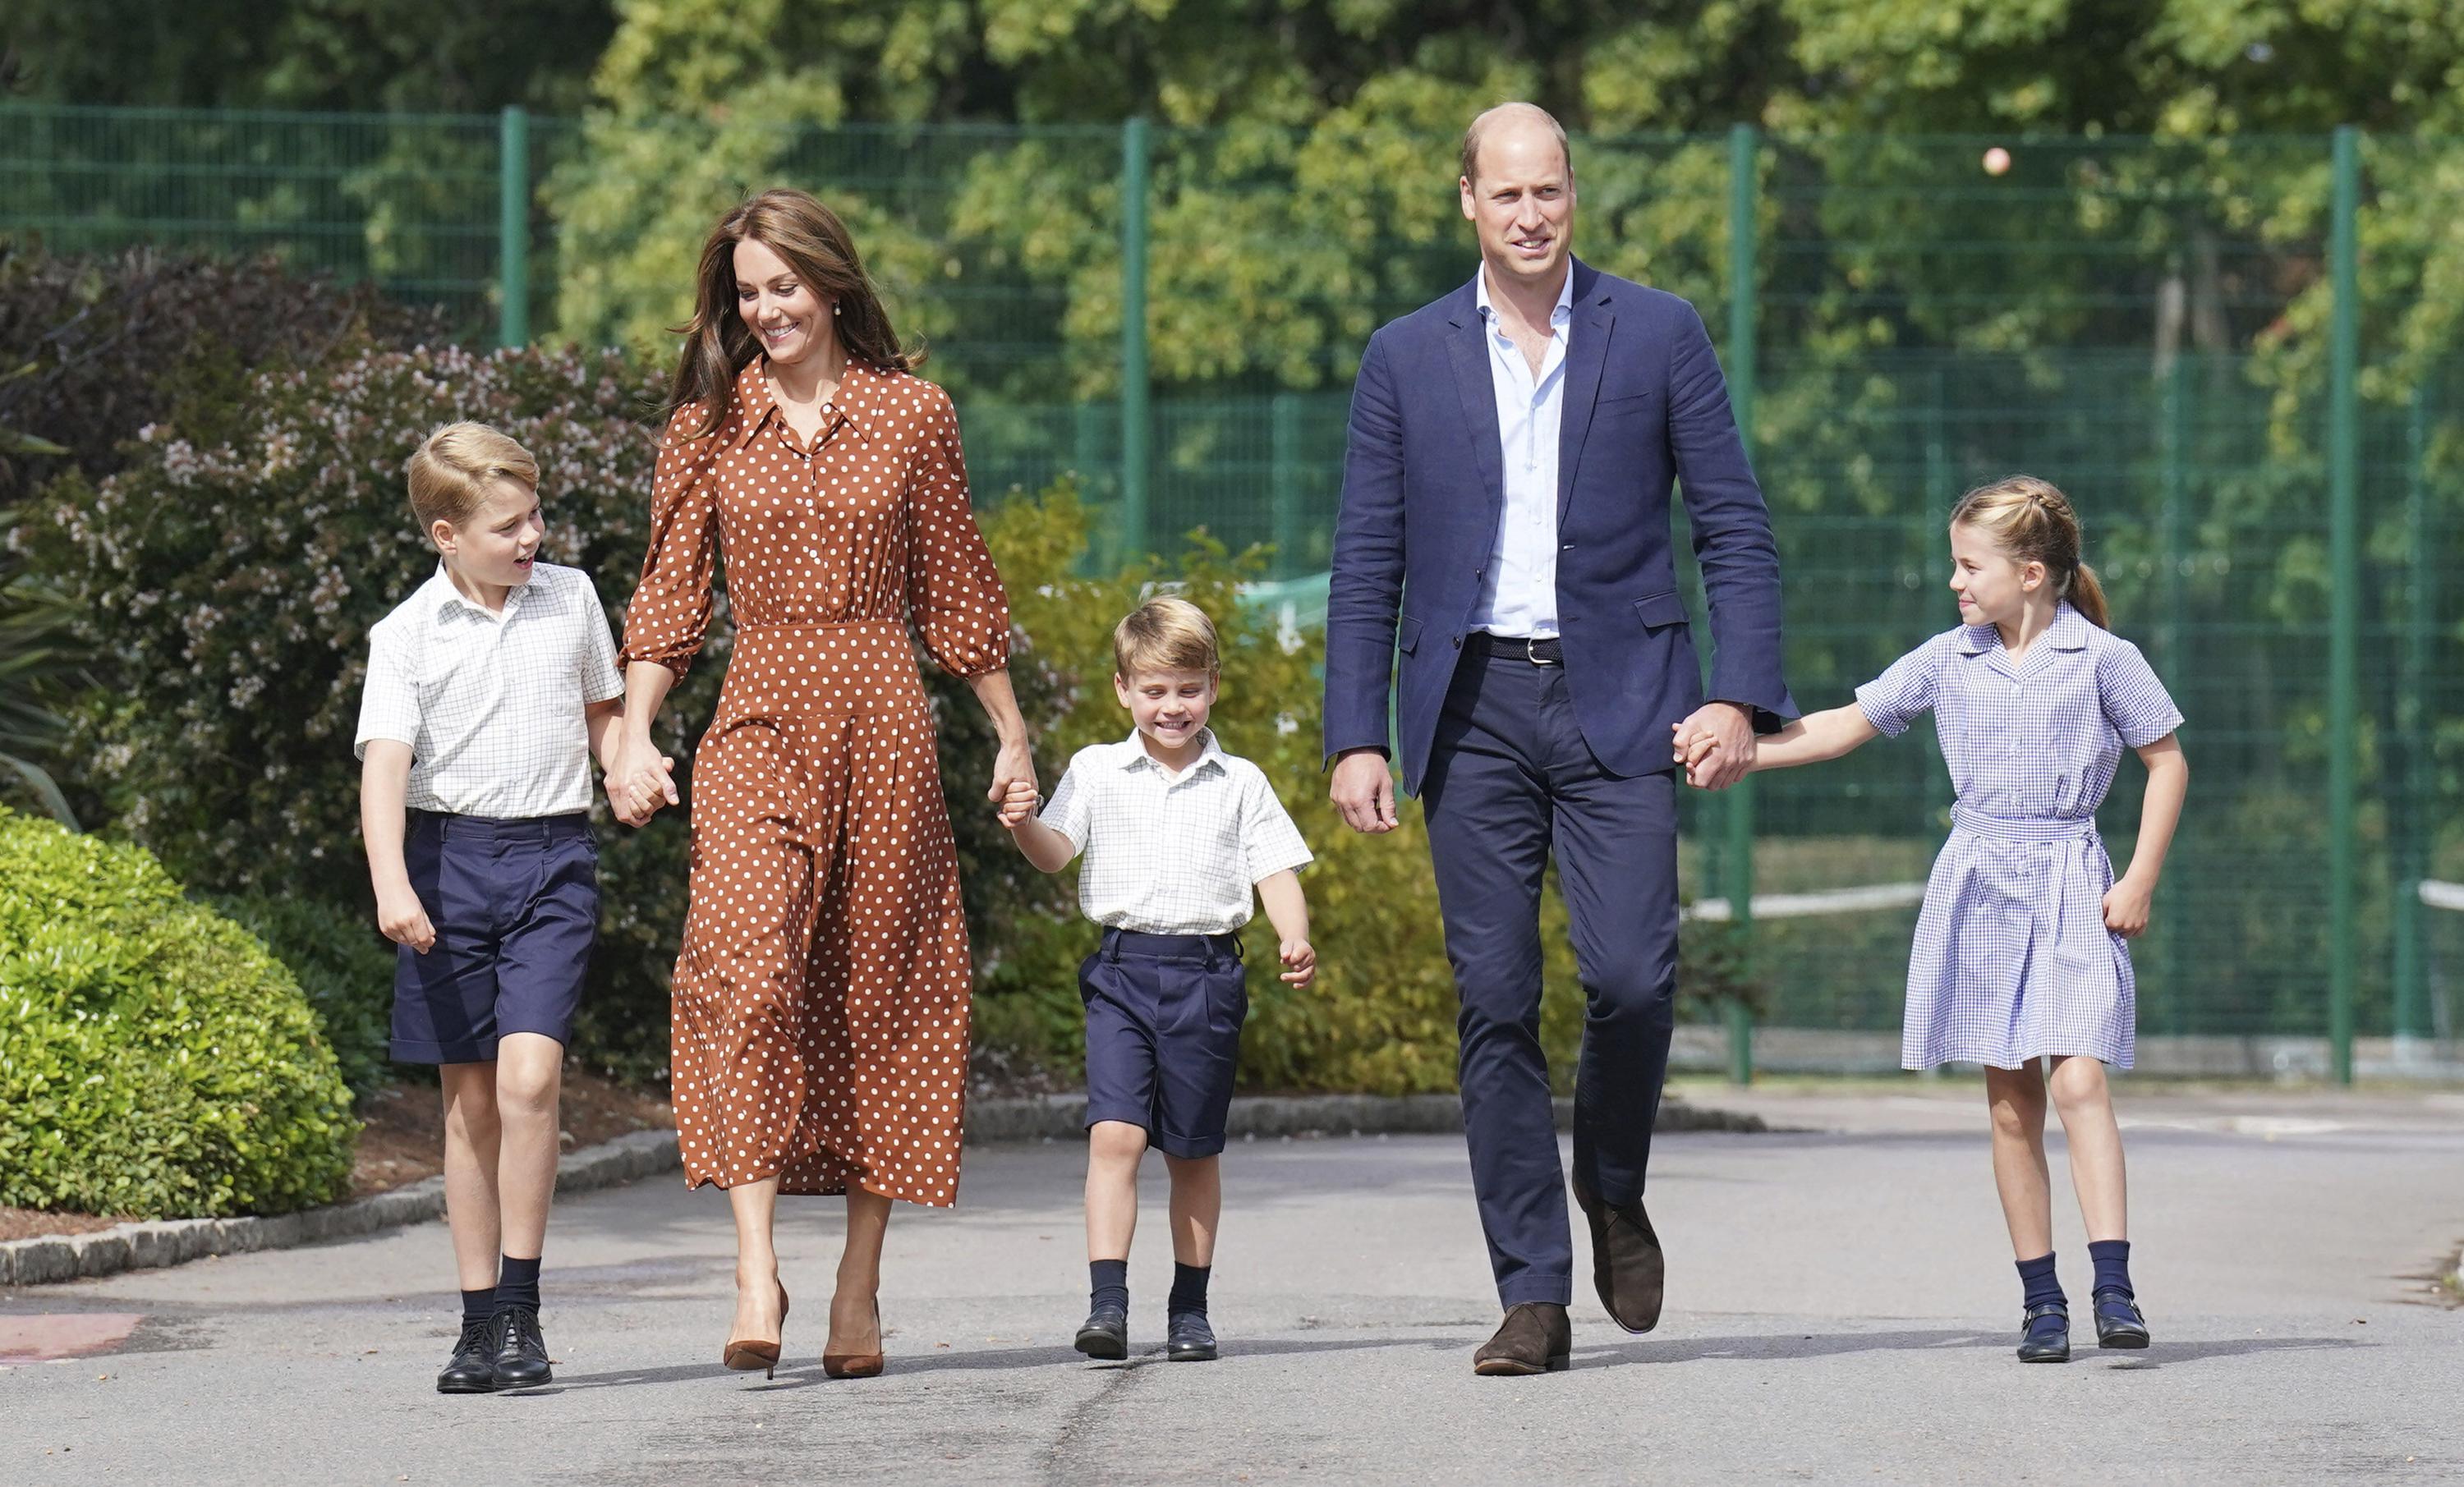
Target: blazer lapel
[
  {"x": 1467, "y": 349},
  {"x": 1584, "y": 360}
]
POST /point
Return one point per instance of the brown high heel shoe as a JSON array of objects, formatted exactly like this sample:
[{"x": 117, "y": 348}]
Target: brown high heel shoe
[
  {"x": 746, "y": 1354},
  {"x": 857, "y": 1365}
]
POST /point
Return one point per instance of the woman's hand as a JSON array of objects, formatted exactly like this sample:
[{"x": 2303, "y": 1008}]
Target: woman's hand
[
  {"x": 1018, "y": 804},
  {"x": 639, "y": 779},
  {"x": 1013, "y": 766}
]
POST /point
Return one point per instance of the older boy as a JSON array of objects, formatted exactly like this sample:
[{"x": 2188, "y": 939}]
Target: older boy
[
  {"x": 487, "y": 693},
  {"x": 1176, "y": 832}
]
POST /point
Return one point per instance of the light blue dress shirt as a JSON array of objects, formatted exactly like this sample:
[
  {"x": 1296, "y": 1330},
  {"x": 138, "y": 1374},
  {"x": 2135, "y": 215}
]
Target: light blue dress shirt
[{"x": 1519, "y": 596}]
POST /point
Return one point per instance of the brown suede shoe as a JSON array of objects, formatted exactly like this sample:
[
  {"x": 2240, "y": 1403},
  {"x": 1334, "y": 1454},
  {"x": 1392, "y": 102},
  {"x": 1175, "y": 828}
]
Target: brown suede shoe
[
  {"x": 1535, "y": 1338},
  {"x": 1627, "y": 1267}
]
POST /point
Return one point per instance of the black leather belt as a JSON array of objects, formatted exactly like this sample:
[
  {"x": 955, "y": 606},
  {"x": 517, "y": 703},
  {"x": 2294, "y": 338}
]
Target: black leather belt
[{"x": 1538, "y": 651}]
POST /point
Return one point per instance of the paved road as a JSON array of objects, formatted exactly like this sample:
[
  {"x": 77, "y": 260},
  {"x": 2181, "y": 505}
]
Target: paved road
[{"x": 1840, "y": 1301}]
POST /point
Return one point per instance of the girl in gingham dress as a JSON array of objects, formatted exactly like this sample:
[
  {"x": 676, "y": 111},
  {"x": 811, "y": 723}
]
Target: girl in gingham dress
[{"x": 2020, "y": 950}]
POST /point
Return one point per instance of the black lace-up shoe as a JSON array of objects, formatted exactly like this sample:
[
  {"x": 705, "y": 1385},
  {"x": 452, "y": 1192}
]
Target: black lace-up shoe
[
  {"x": 474, "y": 1368},
  {"x": 522, "y": 1352}
]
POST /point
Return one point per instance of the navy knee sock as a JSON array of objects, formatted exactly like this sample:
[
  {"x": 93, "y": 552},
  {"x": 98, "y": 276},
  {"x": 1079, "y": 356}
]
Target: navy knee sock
[
  {"x": 478, "y": 1305},
  {"x": 2112, "y": 1259},
  {"x": 1188, "y": 1289},
  {"x": 2042, "y": 1284},
  {"x": 518, "y": 1282},
  {"x": 1109, "y": 1279}
]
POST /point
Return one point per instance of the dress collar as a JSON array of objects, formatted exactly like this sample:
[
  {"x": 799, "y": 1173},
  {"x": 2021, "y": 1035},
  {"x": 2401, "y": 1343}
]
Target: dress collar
[{"x": 858, "y": 395}]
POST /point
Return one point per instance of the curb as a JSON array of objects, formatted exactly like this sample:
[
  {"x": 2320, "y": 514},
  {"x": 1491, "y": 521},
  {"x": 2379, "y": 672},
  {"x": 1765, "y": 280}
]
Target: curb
[
  {"x": 175, "y": 1242},
  {"x": 646, "y": 1153}
]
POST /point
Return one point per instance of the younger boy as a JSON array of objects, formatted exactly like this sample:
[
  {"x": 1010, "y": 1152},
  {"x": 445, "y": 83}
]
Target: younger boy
[
  {"x": 487, "y": 691},
  {"x": 1176, "y": 831}
]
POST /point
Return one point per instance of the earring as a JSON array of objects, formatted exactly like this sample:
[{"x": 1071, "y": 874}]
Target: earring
[{"x": 834, "y": 309}]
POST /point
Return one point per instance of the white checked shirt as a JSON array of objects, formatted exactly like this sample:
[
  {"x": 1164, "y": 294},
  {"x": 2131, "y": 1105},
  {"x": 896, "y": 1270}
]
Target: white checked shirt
[
  {"x": 492, "y": 704},
  {"x": 1171, "y": 854},
  {"x": 1520, "y": 596}
]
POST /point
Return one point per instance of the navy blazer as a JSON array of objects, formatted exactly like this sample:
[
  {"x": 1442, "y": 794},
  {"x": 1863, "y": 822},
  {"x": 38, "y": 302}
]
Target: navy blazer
[{"x": 1423, "y": 492}]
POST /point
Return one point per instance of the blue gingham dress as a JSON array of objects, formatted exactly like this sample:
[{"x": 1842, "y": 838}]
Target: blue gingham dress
[{"x": 2012, "y": 959}]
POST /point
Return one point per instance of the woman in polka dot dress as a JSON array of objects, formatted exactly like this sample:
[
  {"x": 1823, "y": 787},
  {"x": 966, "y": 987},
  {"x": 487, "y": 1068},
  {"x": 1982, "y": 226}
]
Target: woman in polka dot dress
[{"x": 821, "y": 996}]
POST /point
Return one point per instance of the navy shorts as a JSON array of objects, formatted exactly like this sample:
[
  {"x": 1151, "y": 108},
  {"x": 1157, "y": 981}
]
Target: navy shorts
[
  {"x": 515, "y": 904},
  {"x": 1163, "y": 1033}
]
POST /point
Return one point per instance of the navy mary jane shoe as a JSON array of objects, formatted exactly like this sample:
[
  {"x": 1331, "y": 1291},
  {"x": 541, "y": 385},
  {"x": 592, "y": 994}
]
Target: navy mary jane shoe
[
  {"x": 2117, "y": 1322},
  {"x": 2046, "y": 1335}
]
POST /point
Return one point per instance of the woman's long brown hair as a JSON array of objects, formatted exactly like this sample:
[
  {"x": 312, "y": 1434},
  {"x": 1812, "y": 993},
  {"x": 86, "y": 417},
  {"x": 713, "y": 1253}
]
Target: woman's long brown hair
[
  {"x": 2031, "y": 519},
  {"x": 815, "y": 246}
]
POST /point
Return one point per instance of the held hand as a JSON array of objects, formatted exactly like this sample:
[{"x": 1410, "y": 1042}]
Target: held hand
[
  {"x": 1363, "y": 791},
  {"x": 1300, "y": 963},
  {"x": 1731, "y": 754},
  {"x": 1018, "y": 804},
  {"x": 639, "y": 780},
  {"x": 1690, "y": 749},
  {"x": 404, "y": 919},
  {"x": 2125, "y": 908},
  {"x": 1013, "y": 766},
  {"x": 637, "y": 795}
]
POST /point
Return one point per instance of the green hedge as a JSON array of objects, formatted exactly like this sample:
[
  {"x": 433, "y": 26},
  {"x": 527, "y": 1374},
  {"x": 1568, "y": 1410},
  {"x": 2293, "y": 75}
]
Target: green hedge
[
  {"x": 346, "y": 968},
  {"x": 155, "y": 1058}
]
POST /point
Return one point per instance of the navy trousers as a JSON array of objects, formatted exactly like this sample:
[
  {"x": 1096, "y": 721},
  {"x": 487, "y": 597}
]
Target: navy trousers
[{"x": 1510, "y": 781}]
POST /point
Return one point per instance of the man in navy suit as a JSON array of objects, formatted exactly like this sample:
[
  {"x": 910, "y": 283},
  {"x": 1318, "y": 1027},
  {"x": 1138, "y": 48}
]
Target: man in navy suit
[{"x": 1503, "y": 554}]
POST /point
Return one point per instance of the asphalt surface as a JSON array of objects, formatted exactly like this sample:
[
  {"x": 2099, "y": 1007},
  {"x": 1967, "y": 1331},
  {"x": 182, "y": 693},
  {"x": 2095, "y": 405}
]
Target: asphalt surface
[{"x": 1842, "y": 1310}]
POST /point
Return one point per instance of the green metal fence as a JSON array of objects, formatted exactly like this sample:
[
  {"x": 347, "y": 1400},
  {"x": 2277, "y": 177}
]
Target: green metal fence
[{"x": 2233, "y": 354}]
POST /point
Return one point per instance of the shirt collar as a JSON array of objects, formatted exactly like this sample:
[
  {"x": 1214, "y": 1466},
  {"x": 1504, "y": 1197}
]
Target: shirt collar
[
  {"x": 854, "y": 402},
  {"x": 1559, "y": 314},
  {"x": 1131, "y": 752},
  {"x": 442, "y": 593},
  {"x": 2069, "y": 631}
]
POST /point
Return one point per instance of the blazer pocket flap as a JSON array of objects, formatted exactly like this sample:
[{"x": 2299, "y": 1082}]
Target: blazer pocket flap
[
  {"x": 1661, "y": 609},
  {"x": 1609, "y": 400},
  {"x": 1407, "y": 635}
]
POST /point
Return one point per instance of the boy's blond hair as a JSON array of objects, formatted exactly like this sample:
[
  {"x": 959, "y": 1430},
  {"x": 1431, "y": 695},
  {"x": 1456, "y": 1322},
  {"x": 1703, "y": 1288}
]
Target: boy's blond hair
[
  {"x": 457, "y": 466},
  {"x": 1164, "y": 634}
]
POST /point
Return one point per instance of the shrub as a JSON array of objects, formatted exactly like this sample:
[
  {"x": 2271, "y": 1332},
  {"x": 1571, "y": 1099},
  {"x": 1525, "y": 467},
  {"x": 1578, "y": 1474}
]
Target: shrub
[
  {"x": 344, "y": 967},
  {"x": 157, "y": 1060},
  {"x": 114, "y": 343}
]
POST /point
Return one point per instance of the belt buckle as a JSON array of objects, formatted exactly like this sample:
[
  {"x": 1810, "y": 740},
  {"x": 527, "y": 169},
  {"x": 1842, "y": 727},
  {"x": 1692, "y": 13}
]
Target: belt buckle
[{"x": 1531, "y": 653}]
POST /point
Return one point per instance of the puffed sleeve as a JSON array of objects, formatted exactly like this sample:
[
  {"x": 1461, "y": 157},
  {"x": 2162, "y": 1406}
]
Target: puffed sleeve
[
  {"x": 954, "y": 593},
  {"x": 2135, "y": 702},
  {"x": 1901, "y": 694},
  {"x": 670, "y": 607}
]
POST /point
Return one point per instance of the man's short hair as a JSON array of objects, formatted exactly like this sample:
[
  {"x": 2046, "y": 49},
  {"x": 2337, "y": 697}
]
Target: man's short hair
[
  {"x": 1471, "y": 139},
  {"x": 456, "y": 467},
  {"x": 1165, "y": 634}
]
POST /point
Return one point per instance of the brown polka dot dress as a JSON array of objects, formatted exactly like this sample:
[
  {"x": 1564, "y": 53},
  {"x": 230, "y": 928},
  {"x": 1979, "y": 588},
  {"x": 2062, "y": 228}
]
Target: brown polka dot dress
[{"x": 821, "y": 995}]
